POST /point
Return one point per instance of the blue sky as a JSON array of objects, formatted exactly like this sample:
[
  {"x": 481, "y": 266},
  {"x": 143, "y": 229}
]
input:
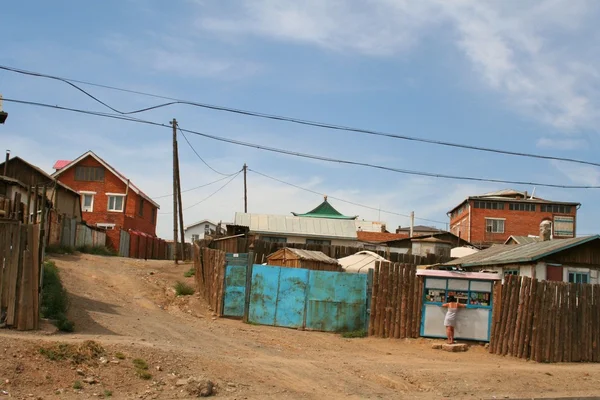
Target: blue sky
[{"x": 516, "y": 75}]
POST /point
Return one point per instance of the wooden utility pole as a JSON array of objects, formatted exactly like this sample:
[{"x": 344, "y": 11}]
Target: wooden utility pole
[
  {"x": 175, "y": 242},
  {"x": 245, "y": 190},
  {"x": 180, "y": 205}
]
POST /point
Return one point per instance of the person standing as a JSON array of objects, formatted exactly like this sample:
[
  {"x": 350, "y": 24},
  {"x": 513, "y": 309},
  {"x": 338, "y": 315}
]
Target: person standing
[{"x": 450, "y": 319}]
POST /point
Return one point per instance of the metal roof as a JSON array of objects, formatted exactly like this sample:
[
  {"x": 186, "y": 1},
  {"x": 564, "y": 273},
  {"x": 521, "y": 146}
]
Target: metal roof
[
  {"x": 520, "y": 253},
  {"x": 298, "y": 226},
  {"x": 523, "y": 239},
  {"x": 308, "y": 255},
  {"x": 458, "y": 274}
]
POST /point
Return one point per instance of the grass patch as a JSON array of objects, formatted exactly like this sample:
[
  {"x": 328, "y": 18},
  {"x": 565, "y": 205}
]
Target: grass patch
[
  {"x": 107, "y": 393},
  {"x": 85, "y": 352},
  {"x": 361, "y": 333},
  {"x": 55, "y": 300},
  {"x": 59, "y": 249},
  {"x": 77, "y": 385},
  {"x": 183, "y": 289},
  {"x": 145, "y": 375},
  {"x": 97, "y": 250},
  {"x": 190, "y": 272},
  {"x": 120, "y": 356},
  {"x": 140, "y": 364}
]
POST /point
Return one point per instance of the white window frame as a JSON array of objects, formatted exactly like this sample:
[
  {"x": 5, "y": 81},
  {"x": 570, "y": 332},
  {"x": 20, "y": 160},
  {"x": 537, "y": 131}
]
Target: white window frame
[
  {"x": 109, "y": 195},
  {"x": 84, "y": 193},
  {"x": 106, "y": 226},
  {"x": 195, "y": 237},
  {"x": 495, "y": 219}
]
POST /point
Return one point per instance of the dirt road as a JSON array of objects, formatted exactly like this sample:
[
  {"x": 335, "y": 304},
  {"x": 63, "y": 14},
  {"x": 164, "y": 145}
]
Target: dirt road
[{"x": 129, "y": 307}]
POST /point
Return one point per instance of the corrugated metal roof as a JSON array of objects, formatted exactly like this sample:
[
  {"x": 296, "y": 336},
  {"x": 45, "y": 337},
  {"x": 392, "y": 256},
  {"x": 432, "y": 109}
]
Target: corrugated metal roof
[
  {"x": 523, "y": 239},
  {"x": 309, "y": 255},
  {"x": 299, "y": 226},
  {"x": 519, "y": 253}
]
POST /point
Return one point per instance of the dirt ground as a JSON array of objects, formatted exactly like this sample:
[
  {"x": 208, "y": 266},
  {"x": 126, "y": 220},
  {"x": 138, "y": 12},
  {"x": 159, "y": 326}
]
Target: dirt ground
[{"x": 128, "y": 306}]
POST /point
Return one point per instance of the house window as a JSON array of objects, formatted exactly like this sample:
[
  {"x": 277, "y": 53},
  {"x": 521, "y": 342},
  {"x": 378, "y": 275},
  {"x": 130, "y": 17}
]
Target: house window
[
  {"x": 555, "y": 208},
  {"x": 89, "y": 174},
  {"x": 87, "y": 202},
  {"x": 319, "y": 242},
  {"x": 494, "y": 225},
  {"x": 115, "y": 202},
  {"x": 521, "y": 207},
  {"x": 579, "y": 277},
  {"x": 207, "y": 229},
  {"x": 153, "y": 215},
  {"x": 489, "y": 205},
  {"x": 141, "y": 210},
  {"x": 274, "y": 239},
  {"x": 511, "y": 272},
  {"x": 108, "y": 227},
  {"x": 195, "y": 237}
]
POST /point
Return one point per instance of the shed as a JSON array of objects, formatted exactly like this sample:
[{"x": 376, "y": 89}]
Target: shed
[
  {"x": 361, "y": 262},
  {"x": 307, "y": 259}
]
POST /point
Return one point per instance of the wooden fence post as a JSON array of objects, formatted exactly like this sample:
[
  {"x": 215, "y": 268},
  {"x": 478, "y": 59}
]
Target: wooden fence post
[
  {"x": 374, "y": 298},
  {"x": 394, "y": 305}
]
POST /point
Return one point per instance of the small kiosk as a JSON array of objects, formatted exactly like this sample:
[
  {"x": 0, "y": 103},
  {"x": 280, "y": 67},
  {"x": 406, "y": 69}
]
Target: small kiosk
[{"x": 474, "y": 289}]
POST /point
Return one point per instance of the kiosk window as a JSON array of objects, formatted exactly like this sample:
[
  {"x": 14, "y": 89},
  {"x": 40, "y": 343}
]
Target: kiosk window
[
  {"x": 461, "y": 296},
  {"x": 435, "y": 296},
  {"x": 480, "y": 299}
]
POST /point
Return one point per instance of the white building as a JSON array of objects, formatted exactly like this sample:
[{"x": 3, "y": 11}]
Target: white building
[{"x": 198, "y": 230}]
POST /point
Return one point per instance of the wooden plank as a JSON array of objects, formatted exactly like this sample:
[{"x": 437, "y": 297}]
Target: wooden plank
[
  {"x": 36, "y": 287},
  {"x": 416, "y": 321},
  {"x": 388, "y": 301},
  {"x": 403, "y": 307},
  {"x": 522, "y": 317},
  {"x": 503, "y": 315},
  {"x": 377, "y": 304},
  {"x": 558, "y": 324},
  {"x": 596, "y": 327},
  {"x": 550, "y": 331},
  {"x": 400, "y": 291},
  {"x": 410, "y": 300},
  {"x": 25, "y": 320},
  {"x": 420, "y": 306},
  {"x": 513, "y": 281},
  {"x": 565, "y": 322},
  {"x": 589, "y": 322},
  {"x": 394, "y": 305},
  {"x": 374, "y": 299},
  {"x": 515, "y": 325},
  {"x": 527, "y": 342},
  {"x": 13, "y": 276},
  {"x": 496, "y": 314},
  {"x": 385, "y": 274},
  {"x": 572, "y": 322},
  {"x": 537, "y": 322}
]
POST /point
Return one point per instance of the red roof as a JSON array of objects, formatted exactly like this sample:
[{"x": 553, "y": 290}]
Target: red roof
[
  {"x": 60, "y": 164},
  {"x": 379, "y": 236}
]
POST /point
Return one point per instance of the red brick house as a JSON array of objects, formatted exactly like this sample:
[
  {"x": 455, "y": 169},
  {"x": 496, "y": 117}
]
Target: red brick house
[
  {"x": 108, "y": 199},
  {"x": 493, "y": 217}
]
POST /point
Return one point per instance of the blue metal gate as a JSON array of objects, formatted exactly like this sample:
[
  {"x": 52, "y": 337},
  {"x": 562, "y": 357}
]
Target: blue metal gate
[
  {"x": 318, "y": 300},
  {"x": 234, "y": 298}
]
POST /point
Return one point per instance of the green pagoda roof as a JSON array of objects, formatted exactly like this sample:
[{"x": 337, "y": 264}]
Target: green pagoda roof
[{"x": 324, "y": 210}]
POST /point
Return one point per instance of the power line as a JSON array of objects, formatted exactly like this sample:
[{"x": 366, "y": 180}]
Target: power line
[
  {"x": 210, "y": 195},
  {"x": 344, "y": 201},
  {"x": 194, "y": 188},
  {"x": 312, "y": 156},
  {"x": 317, "y": 124},
  {"x": 198, "y": 155}
]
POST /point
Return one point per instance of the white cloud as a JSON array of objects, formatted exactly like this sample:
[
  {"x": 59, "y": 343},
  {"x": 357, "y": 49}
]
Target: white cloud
[
  {"x": 536, "y": 54},
  {"x": 581, "y": 175},
  {"x": 561, "y": 144}
]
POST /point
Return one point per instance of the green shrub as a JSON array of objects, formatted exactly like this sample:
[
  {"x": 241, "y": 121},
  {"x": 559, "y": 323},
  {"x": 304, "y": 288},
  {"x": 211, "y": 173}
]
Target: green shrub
[
  {"x": 120, "y": 355},
  {"x": 107, "y": 393},
  {"x": 97, "y": 250},
  {"x": 144, "y": 374},
  {"x": 59, "y": 249},
  {"x": 140, "y": 364},
  {"x": 55, "y": 301},
  {"x": 361, "y": 333},
  {"x": 183, "y": 289},
  {"x": 77, "y": 385},
  {"x": 190, "y": 272}
]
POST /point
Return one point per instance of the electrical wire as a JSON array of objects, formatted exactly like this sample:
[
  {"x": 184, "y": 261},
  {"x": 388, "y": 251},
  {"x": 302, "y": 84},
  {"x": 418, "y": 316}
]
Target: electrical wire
[
  {"x": 312, "y": 156},
  {"x": 198, "y": 155},
  {"x": 286, "y": 119},
  {"x": 194, "y": 188},
  {"x": 344, "y": 201},
  {"x": 209, "y": 196}
]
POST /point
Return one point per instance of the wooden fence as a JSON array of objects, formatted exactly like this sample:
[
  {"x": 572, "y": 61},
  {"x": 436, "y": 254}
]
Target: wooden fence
[
  {"x": 546, "y": 321},
  {"x": 209, "y": 266},
  {"x": 20, "y": 284},
  {"x": 396, "y": 301},
  {"x": 263, "y": 249}
]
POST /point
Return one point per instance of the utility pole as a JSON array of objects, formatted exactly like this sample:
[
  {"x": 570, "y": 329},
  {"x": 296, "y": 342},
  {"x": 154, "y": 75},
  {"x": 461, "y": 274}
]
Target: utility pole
[
  {"x": 180, "y": 205},
  {"x": 245, "y": 190},
  {"x": 175, "y": 242}
]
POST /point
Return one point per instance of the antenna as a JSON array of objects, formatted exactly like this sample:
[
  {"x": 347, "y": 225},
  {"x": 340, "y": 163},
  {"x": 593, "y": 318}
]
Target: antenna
[{"x": 532, "y": 193}]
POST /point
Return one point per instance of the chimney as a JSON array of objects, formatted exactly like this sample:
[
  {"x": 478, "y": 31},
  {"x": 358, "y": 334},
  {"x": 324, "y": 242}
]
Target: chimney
[
  {"x": 545, "y": 230},
  {"x": 6, "y": 162}
]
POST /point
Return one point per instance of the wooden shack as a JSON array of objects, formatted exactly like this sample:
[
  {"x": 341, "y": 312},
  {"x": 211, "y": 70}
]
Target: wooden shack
[{"x": 307, "y": 259}]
